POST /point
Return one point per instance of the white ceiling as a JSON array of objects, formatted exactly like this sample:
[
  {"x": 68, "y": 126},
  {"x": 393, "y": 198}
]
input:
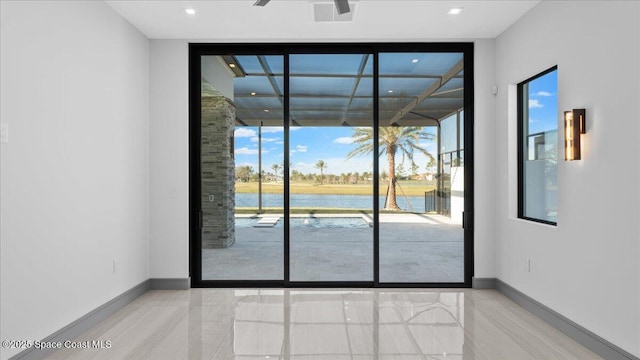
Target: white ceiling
[{"x": 293, "y": 20}]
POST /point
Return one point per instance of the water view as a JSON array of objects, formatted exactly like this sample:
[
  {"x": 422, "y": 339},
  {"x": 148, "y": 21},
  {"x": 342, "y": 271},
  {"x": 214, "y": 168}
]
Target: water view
[{"x": 309, "y": 201}]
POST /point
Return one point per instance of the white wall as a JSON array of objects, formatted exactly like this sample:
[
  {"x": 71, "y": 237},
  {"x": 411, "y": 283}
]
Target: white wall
[
  {"x": 169, "y": 144},
  {"x": 484, "y": 157},
  {"x": 74, "y": 175},
  {"x": 586, "y": 268}
]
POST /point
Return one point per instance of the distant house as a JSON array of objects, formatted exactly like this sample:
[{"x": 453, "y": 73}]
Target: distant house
[{"x": 423, "y": 177}]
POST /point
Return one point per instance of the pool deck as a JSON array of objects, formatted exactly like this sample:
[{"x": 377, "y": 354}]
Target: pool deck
[{"x": 413, "y": 248}]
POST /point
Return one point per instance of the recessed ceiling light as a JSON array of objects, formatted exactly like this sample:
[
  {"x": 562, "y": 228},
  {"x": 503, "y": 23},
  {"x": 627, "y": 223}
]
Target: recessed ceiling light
[
  {"x": 190, "y": 11},
  {"x": 266, "y": 110},
  {"x": 455, "y": 11},
  {"x": 232, "y": 65},
  {"x": 390, "y": 91},
  {"x": 253, "y": 94},
  {"x": 415, "y": 61}
]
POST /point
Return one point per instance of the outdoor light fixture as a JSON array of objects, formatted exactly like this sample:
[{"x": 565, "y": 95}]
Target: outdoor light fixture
[
  {"x": 234, "y": 66},
  {"x": 574, "y": 126}
]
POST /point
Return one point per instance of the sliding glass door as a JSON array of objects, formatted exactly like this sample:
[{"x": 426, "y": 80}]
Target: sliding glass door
[
  {"x": 315, "y": 165},
  {"x": 330, "y": 167},
  {"x": 242, "y": 162},
  {"x": 421, "y": 99}
]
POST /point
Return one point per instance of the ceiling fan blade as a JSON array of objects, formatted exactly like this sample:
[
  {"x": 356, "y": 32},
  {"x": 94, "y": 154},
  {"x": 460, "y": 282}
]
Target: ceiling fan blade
[
  {"x": 342, "y": 6},
  {"x": 261, "y": 2}
]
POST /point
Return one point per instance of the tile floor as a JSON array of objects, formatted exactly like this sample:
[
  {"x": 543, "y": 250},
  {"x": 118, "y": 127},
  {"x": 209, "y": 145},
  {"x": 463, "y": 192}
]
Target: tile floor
[{"x": 354, "y": 324}]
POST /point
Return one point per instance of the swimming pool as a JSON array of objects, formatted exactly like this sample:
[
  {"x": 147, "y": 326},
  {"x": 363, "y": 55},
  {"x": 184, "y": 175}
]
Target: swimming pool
[{"x": 311, "y": 222}]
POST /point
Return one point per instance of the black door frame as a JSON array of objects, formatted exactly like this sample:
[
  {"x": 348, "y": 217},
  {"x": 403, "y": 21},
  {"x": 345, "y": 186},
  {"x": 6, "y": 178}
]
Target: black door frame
[{"x": 196, "y": 50}]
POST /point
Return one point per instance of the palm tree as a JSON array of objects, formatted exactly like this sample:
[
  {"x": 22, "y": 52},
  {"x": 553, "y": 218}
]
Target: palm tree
[
  {"x": 276, "y": 168},
  {"x": 390, "y": 140},
  {"x": 321, "y": 165}
]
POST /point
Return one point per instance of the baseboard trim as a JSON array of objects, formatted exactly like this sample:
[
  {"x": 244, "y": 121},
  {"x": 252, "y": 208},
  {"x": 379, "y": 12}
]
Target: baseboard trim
[
  {"x": 580, "y": 334},
  {"x": 483, "y": 283},
  {"x": 171, "y": 284},
  {"x": 86, "y": 322}
]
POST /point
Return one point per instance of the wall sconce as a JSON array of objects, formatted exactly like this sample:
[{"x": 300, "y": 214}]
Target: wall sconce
[{"x": 574, "y": 125}]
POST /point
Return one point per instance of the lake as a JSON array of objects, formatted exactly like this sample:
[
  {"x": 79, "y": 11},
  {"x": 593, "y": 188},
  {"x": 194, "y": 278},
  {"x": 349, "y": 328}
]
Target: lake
[{"x": 326, "y": 201}]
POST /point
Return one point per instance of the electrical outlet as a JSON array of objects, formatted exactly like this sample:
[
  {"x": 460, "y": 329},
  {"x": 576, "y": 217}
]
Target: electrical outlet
[{"x": 212, "y": 198}]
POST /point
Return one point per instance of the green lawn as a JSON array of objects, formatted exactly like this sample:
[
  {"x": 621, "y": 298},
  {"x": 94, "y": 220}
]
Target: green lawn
[{"x": 408, "y": 187}]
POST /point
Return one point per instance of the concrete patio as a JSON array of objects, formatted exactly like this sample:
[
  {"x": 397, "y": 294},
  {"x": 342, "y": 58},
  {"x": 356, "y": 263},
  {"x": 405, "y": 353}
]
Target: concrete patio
[{"x": 413, "y": 248}]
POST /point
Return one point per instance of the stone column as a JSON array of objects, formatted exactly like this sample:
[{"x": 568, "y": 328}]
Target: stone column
[{"x": 217, "y": 169}]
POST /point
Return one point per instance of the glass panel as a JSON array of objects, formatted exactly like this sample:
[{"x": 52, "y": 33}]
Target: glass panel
[
  {"x": 331, "y": 166},
  {"x": 421, "y": 238},
  {"x": 242, "y": 163},
  {"x": 449, "y": 134},
  {"x": 322, "y": 86},
  {"x": 540, "y": 131}
]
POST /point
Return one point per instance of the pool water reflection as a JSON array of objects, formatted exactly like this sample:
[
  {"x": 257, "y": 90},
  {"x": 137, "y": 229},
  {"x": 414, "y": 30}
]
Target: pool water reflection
[{"x": 311, "y": 222}]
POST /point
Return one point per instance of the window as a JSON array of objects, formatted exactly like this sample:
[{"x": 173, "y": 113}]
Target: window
[{"x": 538, "y": 147}]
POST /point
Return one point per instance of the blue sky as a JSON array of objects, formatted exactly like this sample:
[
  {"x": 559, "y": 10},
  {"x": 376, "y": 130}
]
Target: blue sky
[
  {"x": 543, "y": 103},
  {"x": 308, "y": 145}
]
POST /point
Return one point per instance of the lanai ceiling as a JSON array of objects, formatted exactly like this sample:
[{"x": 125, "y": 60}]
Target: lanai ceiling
[{"x": 416, "y": 89}]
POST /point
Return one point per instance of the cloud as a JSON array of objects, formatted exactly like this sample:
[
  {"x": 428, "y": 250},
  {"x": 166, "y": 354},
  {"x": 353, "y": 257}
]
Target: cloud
[
  {"x": 301, "y": 148},
  {"x": 345, "y": 140},
  {"x": 300, "y": 166},
  {"x": 242, "y": 132},
  {"x": 277, "y": 129},
  {"x": 272, "y": 129},
  {"x": 534, "y": 103},
  {"x": 264, "y": 139},
  {"x": 246, "y": 151},
  {"x": 543, "y": 93}
]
